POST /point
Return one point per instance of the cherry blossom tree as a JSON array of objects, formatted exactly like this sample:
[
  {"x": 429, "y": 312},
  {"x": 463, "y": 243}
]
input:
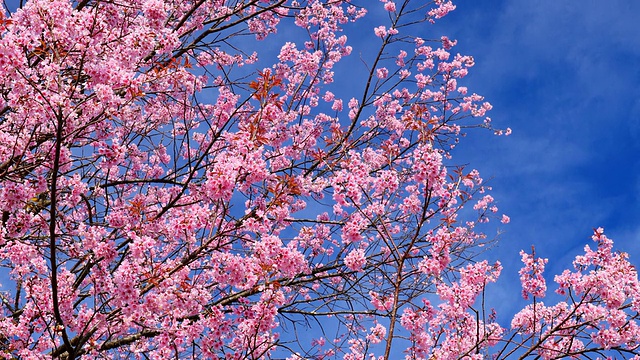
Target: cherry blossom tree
[{"x": 202, "y": 179}]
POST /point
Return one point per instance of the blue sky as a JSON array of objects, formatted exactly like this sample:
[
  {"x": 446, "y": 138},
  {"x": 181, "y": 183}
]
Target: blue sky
[{"x": 565, "y": 76}]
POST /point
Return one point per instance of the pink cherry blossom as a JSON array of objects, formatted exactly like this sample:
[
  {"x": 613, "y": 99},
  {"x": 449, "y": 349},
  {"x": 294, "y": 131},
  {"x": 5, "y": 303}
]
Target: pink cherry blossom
[
  {"x": 355, "y": 260},
  {"x": 170, "y": 188},
  {"x": 381, "y": 31}
]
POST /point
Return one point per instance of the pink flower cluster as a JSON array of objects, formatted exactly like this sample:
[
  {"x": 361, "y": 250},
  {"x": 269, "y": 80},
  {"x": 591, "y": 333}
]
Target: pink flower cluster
[{"x": 531, "y": 276}]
